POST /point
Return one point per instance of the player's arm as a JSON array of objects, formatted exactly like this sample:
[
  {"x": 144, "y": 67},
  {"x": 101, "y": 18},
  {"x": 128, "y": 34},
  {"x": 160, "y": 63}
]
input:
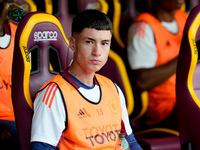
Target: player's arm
[
  {"x": 142, "y": 57},
  {"x": 126, "y": 128},
  {"x": 49, "y": 117},
  {"x": 44, "y": 146}
]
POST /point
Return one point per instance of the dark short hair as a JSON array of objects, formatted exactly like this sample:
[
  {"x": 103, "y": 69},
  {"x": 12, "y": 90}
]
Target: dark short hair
[{"x": 91, "y": 18}]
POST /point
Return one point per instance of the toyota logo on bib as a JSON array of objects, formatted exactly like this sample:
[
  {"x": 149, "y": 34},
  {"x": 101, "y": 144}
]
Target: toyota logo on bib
[{"x": 45, "y": 36}]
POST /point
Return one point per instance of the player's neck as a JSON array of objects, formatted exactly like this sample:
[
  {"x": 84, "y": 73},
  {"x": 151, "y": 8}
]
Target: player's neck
[
  {"x": 163, "y": 15},
  {"x": 84, "y": 77}
]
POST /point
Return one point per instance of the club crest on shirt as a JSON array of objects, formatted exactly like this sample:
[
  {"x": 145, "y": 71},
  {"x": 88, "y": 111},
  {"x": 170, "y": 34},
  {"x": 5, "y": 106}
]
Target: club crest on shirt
[{"x": 113, "y": 106}]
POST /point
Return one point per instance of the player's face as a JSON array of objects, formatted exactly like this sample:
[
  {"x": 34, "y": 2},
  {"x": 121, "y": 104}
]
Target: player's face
[{"x": 91, "y": 48}]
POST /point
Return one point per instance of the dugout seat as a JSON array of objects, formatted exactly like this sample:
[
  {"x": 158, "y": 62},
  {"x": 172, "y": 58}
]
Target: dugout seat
[
  {"x": 61, "y": 11},
  {"x": 34, "y": 57},
  {"x": 41, "y": 51},
  {"x": 100, "y": 5},
  {"x": 188, "y": 83},
  {"x": 121, "y": 20},
  {"x": 28, "y": 5},
  {"x": 190, "y": 4},
  {"x": 122, "y": 13},
  {"x": 48, "y": 6},
  {"x": 44, "y": 6},
  {"x": 66, "y": 10}
]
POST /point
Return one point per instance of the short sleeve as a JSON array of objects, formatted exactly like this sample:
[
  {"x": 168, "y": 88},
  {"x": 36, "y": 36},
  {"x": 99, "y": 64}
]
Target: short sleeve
[
  {"x": 125, "y": 117},
  {"x": 49, "y": 116},
  {"x": 141, "y": 48}
]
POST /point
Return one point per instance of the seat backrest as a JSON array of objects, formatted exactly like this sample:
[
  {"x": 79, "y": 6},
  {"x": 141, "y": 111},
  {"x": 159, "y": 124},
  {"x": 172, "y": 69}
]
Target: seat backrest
[
  {"x": 67, "y": 9},
  {"x": 128, "y": 14},
  {"x": 48, "y": 6},
  {"x": 122, "y": 13},
  {"x": 190, "y": 4},
  {"x": 100, "y": 5},
  {"x": 44, "y": 6},
  {"x": 63, "y": 15},
  {"x": 188, "y": 83},
  {"x": 121, "y": 20},
  {"x": 41, "y": 51},
  {"x": 115, "y": 70},
  {"x": 28, "y": 5}
]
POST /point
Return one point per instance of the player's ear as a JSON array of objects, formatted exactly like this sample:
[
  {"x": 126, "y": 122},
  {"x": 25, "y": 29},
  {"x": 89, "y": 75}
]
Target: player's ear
[{"x": 72, "y": 43}]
